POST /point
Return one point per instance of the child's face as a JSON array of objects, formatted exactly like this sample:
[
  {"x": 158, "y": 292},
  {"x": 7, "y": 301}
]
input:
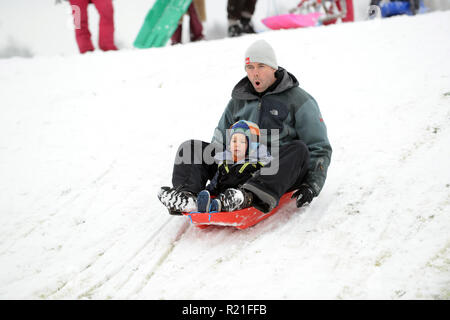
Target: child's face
[{"x": 238, "y": 146}]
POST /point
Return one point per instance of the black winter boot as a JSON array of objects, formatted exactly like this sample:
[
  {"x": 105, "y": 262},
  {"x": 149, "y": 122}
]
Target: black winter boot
[
  {"x": 234, "y": 30},
  {"x": 177, "y": 201},
  {"x": 247, "y": 26},
  {"x": 235, "y": 199}
]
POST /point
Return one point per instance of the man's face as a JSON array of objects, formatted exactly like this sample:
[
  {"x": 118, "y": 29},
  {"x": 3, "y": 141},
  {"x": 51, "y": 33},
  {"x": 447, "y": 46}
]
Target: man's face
[{"x": 260, "y": 75}]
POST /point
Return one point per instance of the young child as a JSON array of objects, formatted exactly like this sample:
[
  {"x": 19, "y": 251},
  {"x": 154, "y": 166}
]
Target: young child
[{"x": 244, "y": 156}]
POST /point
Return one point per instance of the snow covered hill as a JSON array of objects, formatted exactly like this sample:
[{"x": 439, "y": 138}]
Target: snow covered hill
[
  {"x": 37, "y": 28},
  {"x": 86, "y": 141}
]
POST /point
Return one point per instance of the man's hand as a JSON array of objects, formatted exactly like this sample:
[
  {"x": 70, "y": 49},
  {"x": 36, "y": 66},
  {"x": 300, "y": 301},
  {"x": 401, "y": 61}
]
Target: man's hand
[{"x": 304, "y": 195}]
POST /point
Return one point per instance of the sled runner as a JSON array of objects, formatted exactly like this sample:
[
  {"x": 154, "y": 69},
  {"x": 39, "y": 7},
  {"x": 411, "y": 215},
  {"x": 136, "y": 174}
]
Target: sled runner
[{"x": 240, "y": 219}]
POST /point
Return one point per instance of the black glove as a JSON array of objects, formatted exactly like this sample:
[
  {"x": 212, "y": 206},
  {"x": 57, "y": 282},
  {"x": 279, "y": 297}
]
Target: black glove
[{"x": 304, "y": 195}]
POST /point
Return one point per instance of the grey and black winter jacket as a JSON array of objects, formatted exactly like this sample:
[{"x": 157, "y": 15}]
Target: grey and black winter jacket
[{"x": 292, "y": 111}]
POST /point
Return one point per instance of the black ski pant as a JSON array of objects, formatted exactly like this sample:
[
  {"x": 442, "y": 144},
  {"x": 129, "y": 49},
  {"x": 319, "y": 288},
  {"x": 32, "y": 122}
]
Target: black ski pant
[
  {"x": 191, "y": 171},
  {"x": 238, "y": 9},
  {"x": 194, "y": 166}
]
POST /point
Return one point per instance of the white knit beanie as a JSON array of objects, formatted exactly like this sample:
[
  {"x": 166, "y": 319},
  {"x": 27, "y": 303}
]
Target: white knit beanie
[{"x": 260, "y": 51}]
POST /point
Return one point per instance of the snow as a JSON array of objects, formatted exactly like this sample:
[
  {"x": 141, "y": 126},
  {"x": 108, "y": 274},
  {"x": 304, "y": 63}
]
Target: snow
[
  {"x": 86, "y": 142},
  {"x": 37, "y": 28}
]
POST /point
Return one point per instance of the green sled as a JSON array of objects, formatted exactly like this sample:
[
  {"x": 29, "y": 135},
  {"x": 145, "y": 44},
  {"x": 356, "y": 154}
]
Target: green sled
[{"x": 160, "y": 23}]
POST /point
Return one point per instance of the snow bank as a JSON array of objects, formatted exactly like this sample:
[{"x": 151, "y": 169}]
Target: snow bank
[{"x": 86, "y": 141}]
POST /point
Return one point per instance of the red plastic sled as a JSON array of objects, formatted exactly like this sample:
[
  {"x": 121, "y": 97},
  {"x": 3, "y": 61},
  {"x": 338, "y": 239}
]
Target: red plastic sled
[
  {"x": 292, "y": 20},
  {"x": 240, "y": 219}
]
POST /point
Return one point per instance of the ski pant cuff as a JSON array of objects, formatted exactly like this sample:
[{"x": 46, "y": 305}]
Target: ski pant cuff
[{"x": 267, "y": 201}]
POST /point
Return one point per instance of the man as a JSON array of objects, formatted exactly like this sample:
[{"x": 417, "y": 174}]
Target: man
[{"x": 271, "y": 97}]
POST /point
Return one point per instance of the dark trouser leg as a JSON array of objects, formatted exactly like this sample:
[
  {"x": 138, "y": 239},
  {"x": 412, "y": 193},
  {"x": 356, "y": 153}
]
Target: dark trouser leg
[
  {"x": 293, "y": 165},
  {"x": 248, "y": 9},
  {"x": 191, "y": 172},
  {"x": 234, "y": 9},
  {"x": 195, "y": 25},
  {"x": 176, "y": 37}
]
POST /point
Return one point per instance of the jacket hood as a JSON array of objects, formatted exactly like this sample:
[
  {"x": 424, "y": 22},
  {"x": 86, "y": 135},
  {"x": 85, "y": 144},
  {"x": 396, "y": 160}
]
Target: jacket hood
[{"x": 243, "y": 89}]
